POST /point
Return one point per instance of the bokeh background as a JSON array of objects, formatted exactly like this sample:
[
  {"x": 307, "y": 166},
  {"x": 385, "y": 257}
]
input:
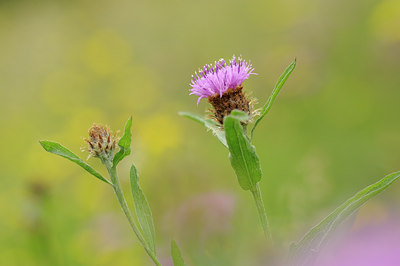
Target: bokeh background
[{"x": 66, "y": 64}]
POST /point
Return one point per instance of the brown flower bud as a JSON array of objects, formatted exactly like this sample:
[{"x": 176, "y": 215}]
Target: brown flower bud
[{"x": 102, "y": 142}]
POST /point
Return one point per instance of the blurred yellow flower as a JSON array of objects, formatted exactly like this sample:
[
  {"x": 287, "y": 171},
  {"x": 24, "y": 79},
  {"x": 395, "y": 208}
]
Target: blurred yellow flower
[
  {"x": 106, "y": 52},
  {"x": 385, "y": 21},
  {"x": 159, "y": 133}
]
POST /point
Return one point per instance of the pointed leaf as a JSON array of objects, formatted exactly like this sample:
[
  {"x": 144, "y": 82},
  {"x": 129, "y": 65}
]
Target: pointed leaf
[
  {"x": 209, "y": 124},
  {"x": 194, "y": 117},
  {"x": 143, "y": 211},
  {"x": 305, "y": 251},
  {"x": 58, "y": 149},
  {"x": 124, "y": 143},
  {"x": 176, "y": 255},
  {"x": 282, "y": 79},
  {"x": 243, "y": 157}
]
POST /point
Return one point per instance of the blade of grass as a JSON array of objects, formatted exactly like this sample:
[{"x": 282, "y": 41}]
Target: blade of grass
[
  {"x": 176, "y": 255},
  {"x": 305, "y": 251}
]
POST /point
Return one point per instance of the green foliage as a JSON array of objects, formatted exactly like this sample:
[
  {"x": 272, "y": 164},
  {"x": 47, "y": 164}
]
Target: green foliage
[
  {"x": 58, "y": 149},
  {"x": 194, "y": 117},
  {"x": 63, "y": 80},
  {"x": 303, "y": 252},
  {"x": 281, "y": 81},
  {"x": 209, "y": 124},
  {"x": 243, "y": 157},
  {"x": 143, "y": 211},
  {"x": 176, "y": 254},
  {"x": 124, "y": 143}
]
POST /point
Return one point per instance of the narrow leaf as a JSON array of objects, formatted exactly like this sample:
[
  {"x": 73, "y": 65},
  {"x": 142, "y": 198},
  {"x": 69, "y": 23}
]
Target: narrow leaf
[
  {"x": 281, "y": 81},
  {"x": 194, "y": 117},
  {"x": 209, "y": 124},
  {"x": 176, "y": 254},
  {"x": 243, "y": 157},
  {"x": 143, "y": 211},
  {"x": 124, "y": 143},
  {"x": 305, "y": 251},
  {"x": 58, "y": 149}
]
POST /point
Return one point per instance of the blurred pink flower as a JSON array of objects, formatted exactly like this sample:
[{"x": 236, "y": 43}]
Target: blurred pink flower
[
  {"x": 206, "y": 215},
  {"x": 370, "y": 246}
]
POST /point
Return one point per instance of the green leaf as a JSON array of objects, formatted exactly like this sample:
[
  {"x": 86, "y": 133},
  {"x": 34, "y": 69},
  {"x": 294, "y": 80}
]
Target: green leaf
[
  {"x": 194, "y": 117},
  {"x": 240, "y": 115},
  {"x": 58, "y": 149},
  {"x": 124, "y": 143},
  {"x": 209, "y": 124},
  {"x": 282, "y": 79},
  {"x": 176, "y": 254},
  {"x": 244, "y": 159},
  {"x": 143, "y": 211},
  {"x": 305, "y": 251}
]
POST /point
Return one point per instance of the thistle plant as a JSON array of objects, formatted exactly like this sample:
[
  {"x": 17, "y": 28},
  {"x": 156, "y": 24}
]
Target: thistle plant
[
  {"x": 231, "y": 113},
  {"x": 110, "y": 149}
]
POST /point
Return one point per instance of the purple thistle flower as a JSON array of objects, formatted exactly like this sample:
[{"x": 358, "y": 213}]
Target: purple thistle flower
[{"x": 218, "y": 78}]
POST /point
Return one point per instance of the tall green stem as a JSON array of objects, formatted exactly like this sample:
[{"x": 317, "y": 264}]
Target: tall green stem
[
  {"x": 261, "y": 211},
  {"x": 118, "y": 192}
]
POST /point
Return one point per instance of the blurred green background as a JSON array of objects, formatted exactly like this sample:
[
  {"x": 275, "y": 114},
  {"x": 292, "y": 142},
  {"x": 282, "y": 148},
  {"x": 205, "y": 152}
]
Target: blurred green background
[{"x": 66, "y": 64}]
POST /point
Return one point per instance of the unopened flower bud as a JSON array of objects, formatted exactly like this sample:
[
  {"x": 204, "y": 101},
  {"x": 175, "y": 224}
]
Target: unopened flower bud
[{"x": 102, "y": 142}]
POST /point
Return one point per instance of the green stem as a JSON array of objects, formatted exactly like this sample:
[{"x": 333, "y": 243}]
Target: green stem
[
  {"x": 261, "y": 211},
  {"x": 118, "y": 192}
]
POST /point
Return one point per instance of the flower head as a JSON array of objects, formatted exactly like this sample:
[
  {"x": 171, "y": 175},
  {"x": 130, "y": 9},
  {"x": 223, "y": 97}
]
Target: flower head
[
  {"x": 221, "y": 84},
  {"x": 218, "y": 78},
  {"x": 102, "y": 142}
]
